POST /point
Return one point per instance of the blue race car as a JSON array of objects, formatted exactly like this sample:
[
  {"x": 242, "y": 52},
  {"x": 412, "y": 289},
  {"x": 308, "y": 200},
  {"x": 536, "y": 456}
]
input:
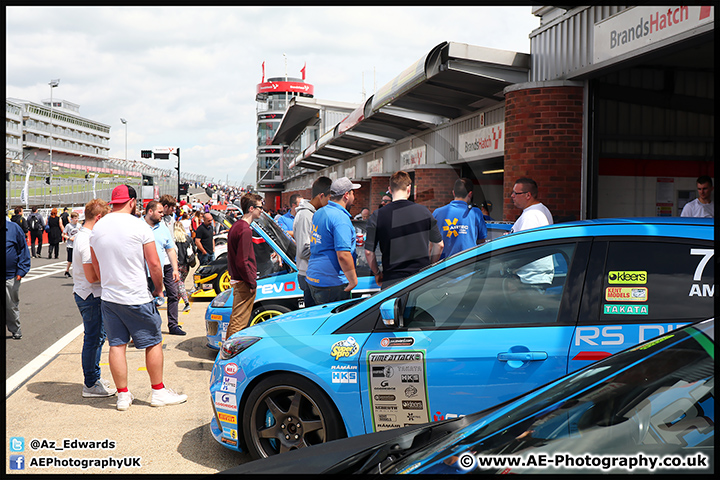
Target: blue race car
[
  {"x": 278, "y": 290},
  {"x": 464, "y": 334}
]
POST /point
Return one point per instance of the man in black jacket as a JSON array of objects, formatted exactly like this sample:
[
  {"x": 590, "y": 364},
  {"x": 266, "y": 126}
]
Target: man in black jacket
[
  {"x": 36, "y": 234},
  {"x": 20, "y": 220}
]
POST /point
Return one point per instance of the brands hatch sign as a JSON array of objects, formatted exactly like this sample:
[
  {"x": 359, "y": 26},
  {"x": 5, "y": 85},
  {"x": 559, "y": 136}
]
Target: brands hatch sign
[
  {"x": 639, "y": 27},
  {"x": 483, "y": 143}
]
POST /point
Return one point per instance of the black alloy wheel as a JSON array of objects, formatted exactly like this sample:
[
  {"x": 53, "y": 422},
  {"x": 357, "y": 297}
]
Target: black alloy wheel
[{"x": 286, "y": 412}]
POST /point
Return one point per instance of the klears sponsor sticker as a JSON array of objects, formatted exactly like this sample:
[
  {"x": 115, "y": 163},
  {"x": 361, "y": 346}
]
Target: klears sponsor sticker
[
  {"x": 625, "y": 309},
  {"x": 344, "y": 348},
  {"x": 626, "y": 294},
  {"x": 621, "y": 276}
]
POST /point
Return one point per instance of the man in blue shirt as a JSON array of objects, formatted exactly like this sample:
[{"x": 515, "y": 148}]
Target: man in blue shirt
[
  {"x": 331, "y": 268},
  {"x": 167, "y": 252},
  {"x": 461, "y": 224},
  {"x": 17, "y": 265},
  {"x": 287, "y": 221}
]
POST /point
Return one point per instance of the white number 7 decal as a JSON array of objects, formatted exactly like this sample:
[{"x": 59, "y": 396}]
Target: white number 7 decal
[{"x": 707, "y": 254}]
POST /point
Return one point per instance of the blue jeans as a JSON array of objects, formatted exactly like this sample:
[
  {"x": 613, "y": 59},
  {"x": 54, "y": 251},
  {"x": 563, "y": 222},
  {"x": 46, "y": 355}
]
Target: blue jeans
[
  {"x": 206, "y": 258},
  {"x": 307, "y": 296},
  {"x": 94, "y": 337},
  {"x": 323, "y": 295}
]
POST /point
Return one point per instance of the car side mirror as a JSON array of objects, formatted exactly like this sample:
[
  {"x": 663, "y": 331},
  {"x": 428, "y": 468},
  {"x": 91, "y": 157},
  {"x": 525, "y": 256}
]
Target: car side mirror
[{"x": 390, "y": 312}]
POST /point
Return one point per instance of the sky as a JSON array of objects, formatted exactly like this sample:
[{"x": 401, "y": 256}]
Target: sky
[{"x": 187, "y": 76}]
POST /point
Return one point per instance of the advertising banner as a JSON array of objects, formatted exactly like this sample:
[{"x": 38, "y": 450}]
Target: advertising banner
[
  {"x": 641, "y": 26},
  {"x": 483, "y": 143}
]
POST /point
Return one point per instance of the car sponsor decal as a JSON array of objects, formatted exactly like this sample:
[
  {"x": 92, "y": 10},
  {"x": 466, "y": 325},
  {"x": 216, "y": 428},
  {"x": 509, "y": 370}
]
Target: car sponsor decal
[
  {"x": 229, "y": 384},
  {"x": 344, "y": 348},
  {"x": 627, "y": 335},
  {"x": 701, "y": 289},
  {"x": 344, "y": 373},
  {"x": 228, "y": 441},
  {"x": 231, "y": 369},
  {"x": 398, "y": 389},
  {"x": 281, "y": 287},
  {"x": 230, "y": 433},
  {"x": 626, "y": 294},
  {"x": 614, "y": 309},
  {"x": 397, "y": 342},
  {"x": 626, "y": 277},
  {"x": 227, "y": 418},
  {"x": 215, "y": 316}
]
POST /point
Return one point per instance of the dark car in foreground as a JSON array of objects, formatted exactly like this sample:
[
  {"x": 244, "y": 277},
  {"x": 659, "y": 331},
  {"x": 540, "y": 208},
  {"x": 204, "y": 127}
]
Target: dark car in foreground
[{"x": 648, "y": 409}]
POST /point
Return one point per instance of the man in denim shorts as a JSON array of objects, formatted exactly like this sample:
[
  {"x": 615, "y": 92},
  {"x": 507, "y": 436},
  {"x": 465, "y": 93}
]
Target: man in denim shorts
[{"x": 121, "y": 244}]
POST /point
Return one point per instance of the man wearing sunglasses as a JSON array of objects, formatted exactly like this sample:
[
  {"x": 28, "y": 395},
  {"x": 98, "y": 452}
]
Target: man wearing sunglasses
[{"x": 535, "y": 214}]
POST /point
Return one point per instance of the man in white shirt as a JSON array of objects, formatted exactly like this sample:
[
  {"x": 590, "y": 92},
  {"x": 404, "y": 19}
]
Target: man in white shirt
[
  {"x": 121, "y": 244},
  {"x": 539, "y": 273},
  {"x": 535, "y": 214},
  {"x": 87, "y": 292},
  {"x": 703, "y": 206}
]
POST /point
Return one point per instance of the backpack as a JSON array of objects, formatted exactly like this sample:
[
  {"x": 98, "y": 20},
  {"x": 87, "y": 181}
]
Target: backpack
[{"x": 34, "y": 224}]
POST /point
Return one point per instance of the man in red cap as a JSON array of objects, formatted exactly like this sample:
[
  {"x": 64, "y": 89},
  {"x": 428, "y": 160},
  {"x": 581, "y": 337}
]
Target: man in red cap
[{"x": 121, "y": 246}]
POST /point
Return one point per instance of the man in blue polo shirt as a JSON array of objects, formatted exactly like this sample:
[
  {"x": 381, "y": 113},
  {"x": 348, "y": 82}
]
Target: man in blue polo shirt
[
  {"x": 331, "y": 268},
  {"x": 287, "y": 221},
  {"x": 461, "y": 225}
]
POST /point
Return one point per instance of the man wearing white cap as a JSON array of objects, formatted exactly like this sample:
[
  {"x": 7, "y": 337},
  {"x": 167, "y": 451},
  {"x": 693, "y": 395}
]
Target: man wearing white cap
[{"x": 331, "y": 268}]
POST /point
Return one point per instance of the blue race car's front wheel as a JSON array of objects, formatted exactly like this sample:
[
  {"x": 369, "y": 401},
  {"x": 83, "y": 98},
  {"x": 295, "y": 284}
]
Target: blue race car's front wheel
[{"x": 286, "y": 412}]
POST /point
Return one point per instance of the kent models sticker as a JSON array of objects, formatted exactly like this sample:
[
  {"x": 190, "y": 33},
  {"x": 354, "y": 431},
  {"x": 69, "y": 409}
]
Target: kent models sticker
[
  {"x": 623, "y": 277},
  {"x": 625, "y": 309},
  {"x": 398, "y": 383},
  {"x": 626, "y": 294}
]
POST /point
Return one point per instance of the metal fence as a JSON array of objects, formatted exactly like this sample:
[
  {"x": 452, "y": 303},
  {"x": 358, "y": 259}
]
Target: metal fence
[{"x": 73, "y": 191}]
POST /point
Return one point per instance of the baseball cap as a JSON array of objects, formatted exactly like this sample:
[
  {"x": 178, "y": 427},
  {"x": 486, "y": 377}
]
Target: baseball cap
[
  {"x": 343, "y": 185},
  {"x": 122, "y": 194}
]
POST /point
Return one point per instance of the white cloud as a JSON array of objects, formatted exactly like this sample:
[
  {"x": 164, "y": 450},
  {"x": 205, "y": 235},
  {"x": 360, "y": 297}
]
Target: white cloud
[{"x": 186, "y": 76}]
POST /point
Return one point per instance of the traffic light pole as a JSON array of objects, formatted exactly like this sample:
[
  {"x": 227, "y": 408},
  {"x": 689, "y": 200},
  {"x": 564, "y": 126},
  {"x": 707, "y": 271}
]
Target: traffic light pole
[{"x": 178, "y": 170}]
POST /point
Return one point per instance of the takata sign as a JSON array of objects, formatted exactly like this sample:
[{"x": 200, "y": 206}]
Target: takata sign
[
  {"x": 282, "y": 87},
  {"x": 638, "y": 27}
]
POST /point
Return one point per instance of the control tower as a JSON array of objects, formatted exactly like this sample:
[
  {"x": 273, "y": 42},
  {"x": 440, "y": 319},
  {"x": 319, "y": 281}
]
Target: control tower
[{"x": 272, "y": 98}]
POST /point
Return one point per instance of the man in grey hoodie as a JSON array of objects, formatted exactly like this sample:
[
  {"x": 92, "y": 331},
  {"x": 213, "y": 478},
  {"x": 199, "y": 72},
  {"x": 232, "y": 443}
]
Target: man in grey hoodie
[{"x": 302, "y": 230}]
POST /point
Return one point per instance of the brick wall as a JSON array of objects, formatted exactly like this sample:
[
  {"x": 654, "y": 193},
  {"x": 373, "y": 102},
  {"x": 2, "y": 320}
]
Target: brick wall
[
  {"x": 433, "y": 186},
  {"x": 378, "y": 186},
  {"x": 270, "y": 200},
  {"x": 543, "y": 141},
  {"x": 362, "y": 197}
]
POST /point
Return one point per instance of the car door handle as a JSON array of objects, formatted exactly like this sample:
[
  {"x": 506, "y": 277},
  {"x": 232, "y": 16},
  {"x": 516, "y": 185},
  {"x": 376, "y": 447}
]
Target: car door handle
[{"x": 522, "y": 356}]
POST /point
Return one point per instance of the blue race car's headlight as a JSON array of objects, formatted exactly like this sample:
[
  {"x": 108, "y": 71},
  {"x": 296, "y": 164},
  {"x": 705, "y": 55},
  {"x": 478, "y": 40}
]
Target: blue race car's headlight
[
  {"x": 235, "y": 345},
  {"x": 220, "y": 300}
]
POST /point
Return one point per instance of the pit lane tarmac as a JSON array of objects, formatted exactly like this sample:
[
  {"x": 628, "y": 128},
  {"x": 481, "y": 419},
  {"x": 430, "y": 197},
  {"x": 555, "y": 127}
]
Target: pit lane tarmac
[{"x": 55, "y": 430}]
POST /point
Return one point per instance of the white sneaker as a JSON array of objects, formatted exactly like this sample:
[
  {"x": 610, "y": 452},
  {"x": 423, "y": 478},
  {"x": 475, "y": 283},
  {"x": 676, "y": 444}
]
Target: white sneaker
[
  {"x": 166, "y": 396},
  {"x": 124, "y": 400},
  {"x": 100, "y": 389}
]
